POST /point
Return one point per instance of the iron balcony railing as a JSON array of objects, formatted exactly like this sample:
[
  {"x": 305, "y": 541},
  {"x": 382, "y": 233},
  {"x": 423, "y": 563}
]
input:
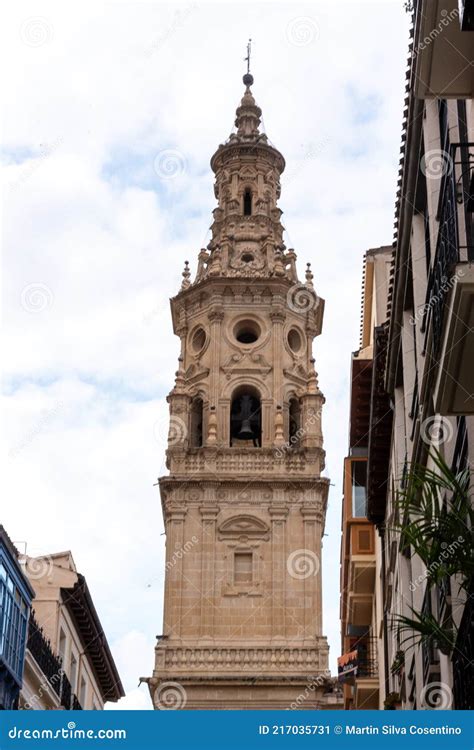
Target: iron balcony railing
[
  {"x": 76, "y": 706},
  {"x": 367, "y": 662},
  {"x": 51, "y": 666},
  {"x": 456, "y": 192},
  {"x": 463, "y": 659},
  {"x": 360, "y": 661},
  {"x": 40, "y": 648}
]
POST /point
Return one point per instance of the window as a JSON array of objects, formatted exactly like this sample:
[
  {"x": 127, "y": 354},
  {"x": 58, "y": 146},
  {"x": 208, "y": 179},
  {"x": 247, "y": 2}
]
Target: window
[
  {"x": 247, "y": 203},
  {"x": 73, "y": 672},
  {"x": 243, "y": 568},
  {"x": 83, "y": 693},
  {"x": 359, "y": 482},
  {"x": 62, "y": 645},
  {"x": 13, "y": 621}
]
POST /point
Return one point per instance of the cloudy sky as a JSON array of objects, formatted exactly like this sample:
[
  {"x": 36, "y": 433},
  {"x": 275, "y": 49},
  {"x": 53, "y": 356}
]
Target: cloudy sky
[{"x": 96, "y": 232}]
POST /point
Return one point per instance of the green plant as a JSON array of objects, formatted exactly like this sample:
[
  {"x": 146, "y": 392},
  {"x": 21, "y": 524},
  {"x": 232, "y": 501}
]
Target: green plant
[
  {"x": 437, "y": 518},
  {"x": 429, "y": 631},
  {"x": 436, "y": 521}
]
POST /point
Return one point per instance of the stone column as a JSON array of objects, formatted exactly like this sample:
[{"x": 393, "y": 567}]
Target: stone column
[
  {"x": 174, "y": 571},
  {"x": 277, "y": 316},
  {"x": 215, "y": 317},
  {"x": 209, "y": 513},
  {"x": 278, "y": 513},
  {"x": 312, "y": 582}
]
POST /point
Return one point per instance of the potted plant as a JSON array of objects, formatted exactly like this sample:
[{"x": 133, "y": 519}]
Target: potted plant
[
  {"x": 392, "y": 702},
  {"x": 398, "y": 662}
]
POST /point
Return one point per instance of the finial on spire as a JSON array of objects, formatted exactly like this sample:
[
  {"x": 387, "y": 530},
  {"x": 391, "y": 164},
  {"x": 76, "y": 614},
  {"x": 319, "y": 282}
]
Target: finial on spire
[
  {"x": 186, "y": 276},
  {"x": 248, "y": 77}
]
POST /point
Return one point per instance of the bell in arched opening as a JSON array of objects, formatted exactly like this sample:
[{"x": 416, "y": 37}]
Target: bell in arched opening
[{"x": 246, "y": 418}]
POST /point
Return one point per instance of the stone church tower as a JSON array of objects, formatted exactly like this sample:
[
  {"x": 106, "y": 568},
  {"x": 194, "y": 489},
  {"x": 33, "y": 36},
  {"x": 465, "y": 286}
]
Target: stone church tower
[{"x": 244, "y": 502}]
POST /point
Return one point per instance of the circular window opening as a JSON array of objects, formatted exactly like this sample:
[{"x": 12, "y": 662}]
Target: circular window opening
[
  {"x": 247, "y": 332},
  {"x": 199, "y": 339},
  {"x": 294, "y": 340},
  {"x": 247, "y": 258}
]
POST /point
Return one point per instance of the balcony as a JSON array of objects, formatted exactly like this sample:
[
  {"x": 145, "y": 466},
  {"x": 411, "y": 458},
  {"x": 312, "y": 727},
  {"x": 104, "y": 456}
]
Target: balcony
[
  {"x": 282, "y": 461},
  {"x": 359, "y": 668},
  {"x": 69, "y": 700},
  {"x": 51, "y": 666},
  {"x": 450, "y": 294},
  {"x": 380, "y": 432},
  {"x": 442, "y": 48},
  {"x": 224, "y": 660}
]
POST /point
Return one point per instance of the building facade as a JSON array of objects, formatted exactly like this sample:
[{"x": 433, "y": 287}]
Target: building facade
[
  {"x": 361, "y": 663},
  {"x": 16, "y": 596},
  {"x": 68, "y": 663},
  {"x": 244, "y": 503},
  {"x": 420, "y": 448}
]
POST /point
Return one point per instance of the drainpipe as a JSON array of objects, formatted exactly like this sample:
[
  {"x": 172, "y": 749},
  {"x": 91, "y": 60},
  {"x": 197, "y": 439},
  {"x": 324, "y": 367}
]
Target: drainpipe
[{"x": 385, "y": 619}]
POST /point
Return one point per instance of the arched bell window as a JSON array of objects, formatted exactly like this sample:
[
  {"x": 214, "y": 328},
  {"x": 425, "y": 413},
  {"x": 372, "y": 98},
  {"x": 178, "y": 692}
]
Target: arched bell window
[
  {"x": 246, "y": 418},
  {"x": 294, "y": 422},
  {"x": 196, "y": 430},
  {"x": 248, "y": 202}
]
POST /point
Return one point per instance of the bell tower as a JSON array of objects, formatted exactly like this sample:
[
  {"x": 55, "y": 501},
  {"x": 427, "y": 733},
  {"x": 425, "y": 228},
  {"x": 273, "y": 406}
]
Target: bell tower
[{"x": 244, "y": 502}]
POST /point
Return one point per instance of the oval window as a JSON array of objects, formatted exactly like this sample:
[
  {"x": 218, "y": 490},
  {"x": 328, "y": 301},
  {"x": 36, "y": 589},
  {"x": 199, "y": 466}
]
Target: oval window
[
  {"x": 198, "y": 339},
  {"x": 295, "y": 341}
]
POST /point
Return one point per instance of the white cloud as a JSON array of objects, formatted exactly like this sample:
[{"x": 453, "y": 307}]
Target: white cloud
[{"x": 87, "y": 217}]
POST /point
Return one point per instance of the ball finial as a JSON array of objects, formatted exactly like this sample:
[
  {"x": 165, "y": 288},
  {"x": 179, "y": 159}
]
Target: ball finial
[{"x": 248, "y": 79}]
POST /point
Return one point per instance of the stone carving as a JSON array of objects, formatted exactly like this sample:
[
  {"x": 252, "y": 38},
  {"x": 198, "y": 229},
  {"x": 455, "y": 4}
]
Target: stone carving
[{"x": 249, "y": 527}]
